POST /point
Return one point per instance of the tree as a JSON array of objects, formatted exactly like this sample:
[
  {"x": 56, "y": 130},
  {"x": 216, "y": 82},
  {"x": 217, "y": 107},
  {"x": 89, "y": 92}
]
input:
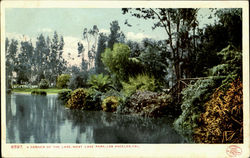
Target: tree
[
  {"x": 25, "y": 62},
  {"x": 40, "y": 58},
  {"x": 135, "y": 48},
  {"x": 57, "y": 62},
  {"x": 91, "y": 38},
  {"x": 227, "y": 31},
  {"x": 11, "y": 49},
  {"x": 119, "y": 63},
  {"x": 175, "y": 22},
  {"x": 102, "y": 40},
  {"x": 116, "y": 36},
  {"x": 231, "y": 19},
  {"x": 154, "y": 59}
]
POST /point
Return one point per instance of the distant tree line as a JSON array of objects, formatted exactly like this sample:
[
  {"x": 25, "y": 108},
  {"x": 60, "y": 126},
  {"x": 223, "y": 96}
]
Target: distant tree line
[{"x": 29, "y": 64}]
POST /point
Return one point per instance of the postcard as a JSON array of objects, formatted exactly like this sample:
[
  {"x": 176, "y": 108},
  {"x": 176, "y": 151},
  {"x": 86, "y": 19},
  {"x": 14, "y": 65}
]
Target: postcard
[{"x": 125, "y": 79}]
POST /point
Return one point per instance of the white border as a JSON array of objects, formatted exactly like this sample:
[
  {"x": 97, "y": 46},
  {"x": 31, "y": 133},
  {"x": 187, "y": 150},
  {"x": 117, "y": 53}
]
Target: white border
[{"x": 144, "y": 150}]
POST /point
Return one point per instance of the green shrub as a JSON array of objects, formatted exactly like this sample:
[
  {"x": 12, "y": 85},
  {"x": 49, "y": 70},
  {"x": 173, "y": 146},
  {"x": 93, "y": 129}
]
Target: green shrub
[
  {"x": 100, "y": 82},
  {"x": 63, "y": 81},
  {"x": 110, "y": 103},
  {"x": 44, "y": 84},
  {"x": 78, "y": 99},
  {"x": 194, "y": 98},
  {"x": 141, "y": 82},
  {"x": 64, "y": 95},
  {"x": 38, "y": 92}
]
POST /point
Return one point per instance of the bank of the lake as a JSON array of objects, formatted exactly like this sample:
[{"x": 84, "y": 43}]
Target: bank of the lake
[{"x": 29, "y": 90}]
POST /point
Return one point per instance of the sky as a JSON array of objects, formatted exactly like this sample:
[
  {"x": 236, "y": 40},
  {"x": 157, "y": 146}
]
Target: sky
[{"x": 28, "y": 23}]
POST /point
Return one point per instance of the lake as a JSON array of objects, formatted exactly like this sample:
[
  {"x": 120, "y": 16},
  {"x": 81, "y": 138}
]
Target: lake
[{"x": 43, "y": 119}]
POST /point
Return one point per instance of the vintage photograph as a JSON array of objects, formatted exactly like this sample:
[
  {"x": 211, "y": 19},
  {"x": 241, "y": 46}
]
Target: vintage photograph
[{"x": 128, "y": 75}]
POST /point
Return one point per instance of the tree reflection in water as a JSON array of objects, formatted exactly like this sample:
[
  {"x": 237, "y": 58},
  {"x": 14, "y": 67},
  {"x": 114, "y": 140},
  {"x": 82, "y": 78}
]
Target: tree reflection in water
[{"x": 43, "y": 119}]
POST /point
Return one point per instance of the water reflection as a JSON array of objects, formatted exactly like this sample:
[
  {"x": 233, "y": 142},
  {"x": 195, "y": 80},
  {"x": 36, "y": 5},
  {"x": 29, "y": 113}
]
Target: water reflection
[{"x": 42, "y": 119}]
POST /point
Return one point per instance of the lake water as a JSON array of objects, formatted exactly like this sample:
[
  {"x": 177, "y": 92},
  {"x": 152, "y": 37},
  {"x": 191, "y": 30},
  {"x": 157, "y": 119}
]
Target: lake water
[{"x": 43, "y": 119}]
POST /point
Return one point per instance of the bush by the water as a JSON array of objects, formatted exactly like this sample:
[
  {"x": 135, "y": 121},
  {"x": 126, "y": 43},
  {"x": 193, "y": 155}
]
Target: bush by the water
[
  {"x": 110, "y": 103},
  {"x": 141, "y": 82},
  {"x": 146, "y": 103},
  {"x": 44, "y": 84},
  {"x": 194, "y": 98},
  {"x": 78, "y": 99},
  {"x": 63, "y": 81},
  {"x": 222, "y": 121},
  {"x": 85, "y": 99},
  {"x": 64, "y": 95},
  {"x": 38, "y": 92},
  {"x": 93, "y": 100}
]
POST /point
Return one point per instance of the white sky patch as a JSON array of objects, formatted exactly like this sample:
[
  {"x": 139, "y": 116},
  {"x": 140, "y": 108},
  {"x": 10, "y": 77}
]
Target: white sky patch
[
  {"x": 71, "y": 50},
  {"x": 136, "y": 36},
  {"x": 104, "y": 31},
  {"x": 206, "y": 17},
  {"x": 19, "y": 37},
  {"x": 48, "y": 30}
]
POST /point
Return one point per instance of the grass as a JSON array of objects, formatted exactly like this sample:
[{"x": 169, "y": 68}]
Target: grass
[{"x": 28, "y": 90}]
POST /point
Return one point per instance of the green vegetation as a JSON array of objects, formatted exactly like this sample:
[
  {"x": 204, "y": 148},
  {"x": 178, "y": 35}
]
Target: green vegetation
[
  {"x": 64, "y": 95},
  {"x": 100, "y": 82},
  {"x": 44, "y": 84},
  {"x": 194, "y": 97},
  {"x": 141, "y": 82},
  {"x": 29, "y": 90},
  {"x": 63, "y": 81},
  {"x": 118, "y": 62},
  {"x": 110, "y": 103},
  {"x": 78, "y": 99}
]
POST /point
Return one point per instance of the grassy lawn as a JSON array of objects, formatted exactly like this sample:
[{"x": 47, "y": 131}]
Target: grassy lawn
[{"x": 28, "y": 90}]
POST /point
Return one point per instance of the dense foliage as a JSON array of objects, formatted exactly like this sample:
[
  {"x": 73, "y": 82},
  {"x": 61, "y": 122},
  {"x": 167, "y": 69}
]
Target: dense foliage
[
  {"x": 231, "y": 62},
  {"x": 110, "y": 103},
  {"x": 147, "y": 103},
  {"x": 222, "y": 121},
  {"x": 44, "y": 84},
  {"x": 141, "y": 82},
  {"x": 78, "y": 80},
  {"x": 100, "y": 82},
  {"x": 118, "y": 62},
  {"x": 194, "y": 97},
  {"x": 64, "y": 96},
  {"x": 63, "y": 81},
  {"x": 78, "y": 99}
]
